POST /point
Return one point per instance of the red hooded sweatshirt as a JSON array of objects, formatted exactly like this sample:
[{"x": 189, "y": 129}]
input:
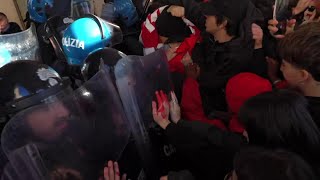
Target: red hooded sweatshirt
[{"x": 239, "y": 89}]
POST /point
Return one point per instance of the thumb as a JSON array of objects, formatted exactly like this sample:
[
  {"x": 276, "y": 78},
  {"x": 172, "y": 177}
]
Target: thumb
[{"x": 291, "y": 22}]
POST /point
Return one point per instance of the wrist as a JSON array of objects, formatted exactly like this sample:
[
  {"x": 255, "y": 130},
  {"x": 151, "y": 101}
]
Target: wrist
[
  {"x": 165, "y": 123},
  {"x": 258, "y": 46}
]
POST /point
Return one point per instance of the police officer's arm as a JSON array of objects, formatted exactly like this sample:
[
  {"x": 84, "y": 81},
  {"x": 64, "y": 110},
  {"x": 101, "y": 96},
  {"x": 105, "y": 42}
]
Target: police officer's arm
[{"x": 193, "y": 133}]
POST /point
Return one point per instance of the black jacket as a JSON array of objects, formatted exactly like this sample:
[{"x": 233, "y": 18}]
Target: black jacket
[
  {"x": 207, "y": 151},
  {"x": 13, "y": 28},
  {"x": 221, "y": 61},
  {"x": 314, "y": 108}
]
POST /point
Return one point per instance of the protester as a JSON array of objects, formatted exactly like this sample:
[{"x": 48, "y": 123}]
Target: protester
[
  {"x": 227, "y": 48},
  {"x": 7, "y": 27},
  {"x": 300, "y": 65},
  {"x": 238, "y": 90},
  {"x": 281, "y": 121},
  {"x": 258, "y": 163}
]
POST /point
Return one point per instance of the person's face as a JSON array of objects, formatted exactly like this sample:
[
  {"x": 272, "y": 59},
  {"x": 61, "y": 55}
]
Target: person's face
[
  {"x": 211, "y": 24},
  {"x": 3, "y": 23},
  {"x": 48, "y": 123},
  {"x": 293, "y": 75}
]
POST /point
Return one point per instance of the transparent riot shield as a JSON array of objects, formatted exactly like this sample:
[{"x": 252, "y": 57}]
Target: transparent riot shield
[
  {"x": 74, "y": 130},
  {"x": 19, "y": 46},
  {"x": 137, "y": 79}
]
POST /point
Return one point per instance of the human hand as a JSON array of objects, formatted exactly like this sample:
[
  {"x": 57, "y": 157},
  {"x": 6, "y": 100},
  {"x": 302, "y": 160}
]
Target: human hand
[
  {"x": 177, "y": 11},
  {"x": 111, "y": 172},
  {"x": 301, "y": 6},
  {"x": 192, "y": 70},
  {"x": 161, "y": 113},
  {"x": 175, "y": 111},
  {"x": 273, "y": 29},
  {"x": 257, "y": 35},
  {"x": 186, "y": 59}
]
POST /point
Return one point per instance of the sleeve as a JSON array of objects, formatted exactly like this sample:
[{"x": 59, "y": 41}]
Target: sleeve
[{"x": 259, "y": 63}]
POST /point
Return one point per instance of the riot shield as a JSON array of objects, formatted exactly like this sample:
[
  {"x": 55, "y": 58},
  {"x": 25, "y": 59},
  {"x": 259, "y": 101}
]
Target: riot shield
[
  {"x": 137, "y": 79},
  {"x": 19, "y": 46},
  {"x": 75, "y": 130}
]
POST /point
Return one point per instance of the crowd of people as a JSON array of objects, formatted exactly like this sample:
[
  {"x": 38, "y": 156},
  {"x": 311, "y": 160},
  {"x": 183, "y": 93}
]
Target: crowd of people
[{"x": 244, "y": 102}]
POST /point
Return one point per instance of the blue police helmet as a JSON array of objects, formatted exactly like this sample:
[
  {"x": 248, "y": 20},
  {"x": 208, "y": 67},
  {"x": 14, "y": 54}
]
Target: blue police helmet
[
  {"x": 37, "y": 9},
  {"x": 87, "y": 35},
  {"x": 126, "y": 10}
]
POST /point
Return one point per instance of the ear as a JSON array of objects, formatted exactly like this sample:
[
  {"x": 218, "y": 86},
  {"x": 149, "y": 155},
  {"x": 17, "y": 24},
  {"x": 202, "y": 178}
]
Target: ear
[
  {"x": 305, "y": 75},
  {"x": 223, "y": 24}
]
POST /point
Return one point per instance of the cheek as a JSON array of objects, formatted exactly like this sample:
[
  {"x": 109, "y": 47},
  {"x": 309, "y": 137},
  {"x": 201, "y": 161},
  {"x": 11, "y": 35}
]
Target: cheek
[
  {"x": 290, "y": 75},
  {"x": 41, "y": 124}
]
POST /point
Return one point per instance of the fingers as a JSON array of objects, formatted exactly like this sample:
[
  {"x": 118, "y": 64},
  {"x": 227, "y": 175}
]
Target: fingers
[
  {"x": 106, "y": 173},
  {"x": 116, "y": 171},
  {"x": 273, "y": 22},
  {"x": 159, "y": 99},
  {"x": 111, "y": 170},
  {"x": 273, "y": 29},
  {"x": 291, "y": 23},
  {"x": 173, "y": 97},
  {"x": 164, "y": 96},
  {"x": 154, "y": 108}
]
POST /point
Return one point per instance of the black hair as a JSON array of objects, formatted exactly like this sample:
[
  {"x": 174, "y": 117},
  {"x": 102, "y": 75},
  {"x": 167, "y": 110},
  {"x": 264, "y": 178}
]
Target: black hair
[
  {"x": 231, "y": 28},
  {"x": 174, "y": 28},
  {"x": 301, "y": 48},
  {"x": 257, "y": 163},
  {"x": 280, "y": 119}
]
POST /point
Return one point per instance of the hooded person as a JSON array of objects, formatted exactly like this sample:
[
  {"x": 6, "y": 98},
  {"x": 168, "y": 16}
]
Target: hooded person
[
  {"x": 239, "y": 89},
  {"x": 162, "y": 28}
]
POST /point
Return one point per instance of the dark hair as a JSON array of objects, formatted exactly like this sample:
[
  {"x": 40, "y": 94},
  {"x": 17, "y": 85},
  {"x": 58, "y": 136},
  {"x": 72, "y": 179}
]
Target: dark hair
[
  {"x": 280, "y": 119},
  {"x": 2, "y": 14},
  {"x": 257, "y": 163},
  {"x": 231, "y": 28},
  {"x": 301, "y": 48}
]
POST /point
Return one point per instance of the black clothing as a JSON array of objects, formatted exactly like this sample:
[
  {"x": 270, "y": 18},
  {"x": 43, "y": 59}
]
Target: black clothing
[
  {"x": 207, "y": 150},
  {"x": 220, "y": 61},
  {"x": 314, "y": 108},
  {"x": 13, "y": 28}
]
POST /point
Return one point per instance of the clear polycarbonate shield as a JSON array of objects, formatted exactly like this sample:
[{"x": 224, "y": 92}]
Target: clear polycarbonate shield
[
  {"x": 78, "y": 130},
  {"x": 19, "y": 46},
  {"x": 137, "y": 79}
]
